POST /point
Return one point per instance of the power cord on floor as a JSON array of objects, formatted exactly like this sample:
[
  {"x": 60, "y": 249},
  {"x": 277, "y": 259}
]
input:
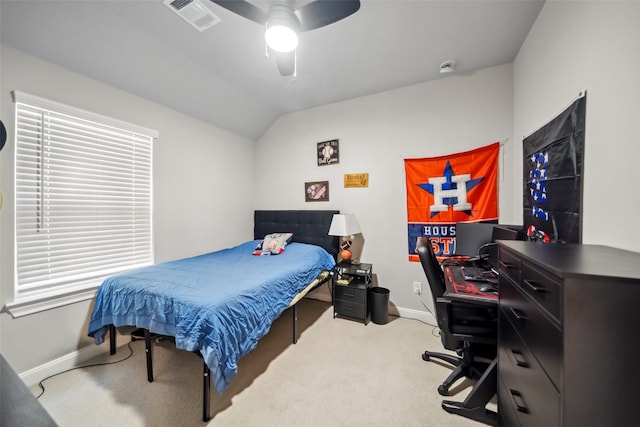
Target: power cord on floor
[
  {"x": 41, "y": 383},
  {"x": 436, "y": 330}
]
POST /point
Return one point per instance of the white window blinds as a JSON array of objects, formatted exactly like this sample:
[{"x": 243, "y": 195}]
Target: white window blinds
[{"x": 83, "y": 198}]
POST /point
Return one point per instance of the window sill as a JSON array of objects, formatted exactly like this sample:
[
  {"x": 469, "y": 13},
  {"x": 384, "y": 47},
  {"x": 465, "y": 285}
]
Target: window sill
[{"x": 37, "y": 305}]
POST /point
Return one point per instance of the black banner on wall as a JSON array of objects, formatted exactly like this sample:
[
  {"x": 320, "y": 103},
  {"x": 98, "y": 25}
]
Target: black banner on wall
[{"x": 553, "y": 171}]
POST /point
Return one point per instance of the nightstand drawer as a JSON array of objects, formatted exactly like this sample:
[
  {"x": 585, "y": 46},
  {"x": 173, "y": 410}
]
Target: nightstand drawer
[
  {"x": 351, "y": 309},
  {"x": 351, "y": 294}
]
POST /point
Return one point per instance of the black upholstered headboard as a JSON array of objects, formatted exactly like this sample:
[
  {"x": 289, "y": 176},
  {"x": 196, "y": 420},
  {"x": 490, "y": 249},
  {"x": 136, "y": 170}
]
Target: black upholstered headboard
[{"x": 306, "y": 226}]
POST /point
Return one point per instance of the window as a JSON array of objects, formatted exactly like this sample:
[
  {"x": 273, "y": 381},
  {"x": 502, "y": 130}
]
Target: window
[{"x": 83, "y": 187}]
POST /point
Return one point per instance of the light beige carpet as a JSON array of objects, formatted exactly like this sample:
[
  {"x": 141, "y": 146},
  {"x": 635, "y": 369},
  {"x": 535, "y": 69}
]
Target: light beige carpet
[{"x": 340, "y": 373}]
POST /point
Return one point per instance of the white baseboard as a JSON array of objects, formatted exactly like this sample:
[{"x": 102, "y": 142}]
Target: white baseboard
[
  {"x": 408, "y": 313},
  {"x": 77, "y": 358},
  {"x": 423, "y": 316}
]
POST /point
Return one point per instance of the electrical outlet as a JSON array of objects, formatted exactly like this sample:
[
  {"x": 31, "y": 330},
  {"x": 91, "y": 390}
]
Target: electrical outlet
[{"x": 417, "y": 288}]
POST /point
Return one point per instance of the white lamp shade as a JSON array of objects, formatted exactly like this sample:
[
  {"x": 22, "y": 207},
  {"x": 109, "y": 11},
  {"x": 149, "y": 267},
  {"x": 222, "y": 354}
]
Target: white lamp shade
[{"x": 344, "y": 225}]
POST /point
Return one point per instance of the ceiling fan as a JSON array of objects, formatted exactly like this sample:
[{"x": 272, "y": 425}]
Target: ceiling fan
[{"x": 283, "y": 23}]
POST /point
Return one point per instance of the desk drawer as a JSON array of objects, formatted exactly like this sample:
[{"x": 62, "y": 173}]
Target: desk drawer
[
  {"x": 544, "y": 290},
  {"x": 507, "y": 414},
  {"x": 543, "y": 338},
  {"x": 525, "y": 392},
  {"x": 509, "y": 266}
]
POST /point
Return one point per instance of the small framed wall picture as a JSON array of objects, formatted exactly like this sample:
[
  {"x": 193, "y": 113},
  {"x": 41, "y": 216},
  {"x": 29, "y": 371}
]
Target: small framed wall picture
[
  {"x": 329, "y": 152},
  {"x": 316, "y": 191}
]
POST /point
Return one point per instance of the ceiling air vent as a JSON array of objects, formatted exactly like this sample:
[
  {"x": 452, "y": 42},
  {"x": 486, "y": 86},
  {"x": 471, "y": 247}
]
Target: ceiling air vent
[{"x": 194, "y": 12}]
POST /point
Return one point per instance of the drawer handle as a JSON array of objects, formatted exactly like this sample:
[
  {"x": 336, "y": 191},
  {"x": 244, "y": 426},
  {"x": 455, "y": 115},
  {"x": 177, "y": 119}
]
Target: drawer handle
[
  {"x": 347, "y": 294},
  {"x": 535, "y": 286},
  {"x": 507, "y": 265},
  {"x": 519, "y": 401},
  {"x": 518, "y": 314},
  {"x": 519, "y": 358}
]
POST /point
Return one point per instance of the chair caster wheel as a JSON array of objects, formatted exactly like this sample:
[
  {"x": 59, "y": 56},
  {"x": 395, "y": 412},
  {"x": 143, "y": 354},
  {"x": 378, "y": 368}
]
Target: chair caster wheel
[
  {"x": 443, "y": 390},
  {"x": 425, "y": 357}
]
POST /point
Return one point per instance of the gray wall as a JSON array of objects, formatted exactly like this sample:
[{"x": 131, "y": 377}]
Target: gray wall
[
  {"x": 377, "y": 133},
  {"x": 592, "y": 46},
  {"x": 573, "y": 47},
  {"x": 196, "y": 207}
]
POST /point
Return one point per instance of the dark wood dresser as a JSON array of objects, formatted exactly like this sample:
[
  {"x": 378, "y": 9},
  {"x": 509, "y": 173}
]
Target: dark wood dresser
[{"x": 568, "y": 347}]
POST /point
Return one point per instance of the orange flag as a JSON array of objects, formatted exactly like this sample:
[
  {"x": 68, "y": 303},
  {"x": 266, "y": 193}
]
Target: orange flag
[{"x": 442, "y": 191}]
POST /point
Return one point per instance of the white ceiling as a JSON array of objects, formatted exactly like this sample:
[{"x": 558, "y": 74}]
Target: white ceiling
[{"x": 221, "y": 75}]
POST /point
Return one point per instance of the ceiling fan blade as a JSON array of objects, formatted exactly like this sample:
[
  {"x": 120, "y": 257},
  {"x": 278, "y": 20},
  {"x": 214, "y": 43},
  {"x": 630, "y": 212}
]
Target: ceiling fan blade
[
  {"x": 324, "y": 12},
  {"x": 244, "y": 9},
  {"x": 286, "y": 63}
]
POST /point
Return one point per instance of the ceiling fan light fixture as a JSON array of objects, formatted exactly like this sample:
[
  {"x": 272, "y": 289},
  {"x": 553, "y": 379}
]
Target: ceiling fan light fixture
[
  {"x": 282, "y": 29},
  {"x": 281, "y": 38}
]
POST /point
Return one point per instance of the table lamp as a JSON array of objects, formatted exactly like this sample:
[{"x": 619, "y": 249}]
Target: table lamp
[{"x": 344, "y": 225}]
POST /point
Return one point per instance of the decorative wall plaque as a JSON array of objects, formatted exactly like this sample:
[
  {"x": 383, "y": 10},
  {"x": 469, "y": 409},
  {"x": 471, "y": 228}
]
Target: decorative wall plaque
[
  {"x": 328, "y": 152},
  {"x": 356, "y": 180}
]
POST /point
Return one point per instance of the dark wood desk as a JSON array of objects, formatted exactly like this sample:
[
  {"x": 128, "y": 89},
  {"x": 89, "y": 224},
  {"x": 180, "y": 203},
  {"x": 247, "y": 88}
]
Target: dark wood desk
[{"x": 474, "y": 406}]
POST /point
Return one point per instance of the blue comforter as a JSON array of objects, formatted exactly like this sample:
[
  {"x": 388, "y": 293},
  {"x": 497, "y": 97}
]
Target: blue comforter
[{"x": 219, "y": 304}]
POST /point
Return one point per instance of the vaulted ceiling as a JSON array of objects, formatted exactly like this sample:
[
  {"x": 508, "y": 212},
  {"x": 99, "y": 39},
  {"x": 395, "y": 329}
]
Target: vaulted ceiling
[{"x": 221, "y": 75}]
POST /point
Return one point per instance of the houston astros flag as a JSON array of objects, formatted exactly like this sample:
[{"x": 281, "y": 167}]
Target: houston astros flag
[{"x": 442, "y": 191}]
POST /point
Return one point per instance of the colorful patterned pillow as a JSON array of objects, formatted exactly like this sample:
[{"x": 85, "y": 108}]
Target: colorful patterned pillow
[{"x": 273, "y": 244}]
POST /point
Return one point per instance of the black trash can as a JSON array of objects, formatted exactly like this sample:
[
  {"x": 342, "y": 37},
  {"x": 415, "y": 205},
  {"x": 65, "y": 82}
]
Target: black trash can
[{"x": 379, "y": 304}]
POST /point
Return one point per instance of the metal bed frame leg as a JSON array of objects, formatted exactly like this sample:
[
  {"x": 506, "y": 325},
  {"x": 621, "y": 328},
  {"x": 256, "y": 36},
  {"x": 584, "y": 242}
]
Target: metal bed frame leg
[
  {"x": 112, "y": 339},
  {"x": 295, "y": 323},
  {"x": 206, "y": 392},
  {"x": 147, "y": 345}
]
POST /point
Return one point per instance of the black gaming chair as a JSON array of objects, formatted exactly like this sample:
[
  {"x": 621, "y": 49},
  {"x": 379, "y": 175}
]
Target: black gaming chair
[{"x": 467, "y": 328}]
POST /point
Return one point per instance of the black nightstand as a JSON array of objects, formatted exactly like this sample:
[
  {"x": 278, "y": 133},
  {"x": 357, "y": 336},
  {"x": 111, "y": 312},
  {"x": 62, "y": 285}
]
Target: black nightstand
[{"x": 350, "y": 287}]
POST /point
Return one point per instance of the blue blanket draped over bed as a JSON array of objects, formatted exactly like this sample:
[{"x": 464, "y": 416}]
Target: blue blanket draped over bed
[{"x": 219, "y": 304}]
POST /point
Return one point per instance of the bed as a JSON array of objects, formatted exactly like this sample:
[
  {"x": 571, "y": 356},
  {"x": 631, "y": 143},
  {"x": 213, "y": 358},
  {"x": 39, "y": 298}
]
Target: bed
[{"x": 220, "y": 304}]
